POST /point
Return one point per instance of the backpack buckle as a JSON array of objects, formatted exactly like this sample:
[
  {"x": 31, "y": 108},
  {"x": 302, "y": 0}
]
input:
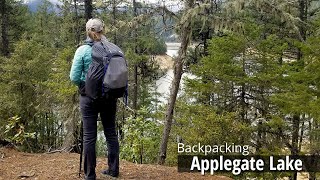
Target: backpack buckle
[{"x": 106, "y": 59}]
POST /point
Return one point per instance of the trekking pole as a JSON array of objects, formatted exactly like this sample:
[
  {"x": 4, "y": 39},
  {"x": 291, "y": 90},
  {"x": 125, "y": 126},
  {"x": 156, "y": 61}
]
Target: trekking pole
[
  {"x": 127, "y": 107},
  {"x": 81, "y": 147}
]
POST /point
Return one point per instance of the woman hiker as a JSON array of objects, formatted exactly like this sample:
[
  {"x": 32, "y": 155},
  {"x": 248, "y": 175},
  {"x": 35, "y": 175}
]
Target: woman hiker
[{"x": 91, "y": 108}]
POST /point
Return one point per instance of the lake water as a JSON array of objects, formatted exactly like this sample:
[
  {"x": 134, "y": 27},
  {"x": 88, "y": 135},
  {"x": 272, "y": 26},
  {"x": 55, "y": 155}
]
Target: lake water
[{"x": 164, "y": 83}]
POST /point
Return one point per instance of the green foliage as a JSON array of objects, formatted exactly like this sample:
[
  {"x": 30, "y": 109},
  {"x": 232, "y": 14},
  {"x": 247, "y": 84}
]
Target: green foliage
[
  {"x": 15, "y": 131},
  {"x": 198, "y": 123},
  {"x": 149, "y": 71},
  {"x": 219, "y": 72},
  {"x": 266, "y": 77},
  {"x": 248, "y": 86},
  {"x": 58, "y": 83},
  {"x": 24, "y": 92},
  {"x": 201, "y": 123},
  {"x": 19, "y": 21},
  {"x": 46, "y": 25},
  {"x": 141, "y": 138},
  {"x": 35, "y": 79},
  {"x": 25, "y": 73}
]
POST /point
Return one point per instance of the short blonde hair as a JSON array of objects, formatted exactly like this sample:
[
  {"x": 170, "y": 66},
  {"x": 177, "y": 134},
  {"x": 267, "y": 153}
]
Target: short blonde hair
[{"x": 96, "y": 36}]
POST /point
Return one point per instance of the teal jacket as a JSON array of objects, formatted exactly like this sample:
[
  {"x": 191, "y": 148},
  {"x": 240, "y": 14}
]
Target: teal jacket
[{"x": 81, "y": 61}]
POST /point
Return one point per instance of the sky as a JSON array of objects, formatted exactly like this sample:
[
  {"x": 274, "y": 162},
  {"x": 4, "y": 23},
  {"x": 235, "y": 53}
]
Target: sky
[
  {"x": 146, "y": 1},
  {"x": 171, "y": 3},
  {"x": 52, "y": 1}
]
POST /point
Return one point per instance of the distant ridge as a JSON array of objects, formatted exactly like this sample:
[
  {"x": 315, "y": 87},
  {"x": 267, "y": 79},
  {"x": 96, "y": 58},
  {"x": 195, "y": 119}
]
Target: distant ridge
[{"x": 34, "y": 4}]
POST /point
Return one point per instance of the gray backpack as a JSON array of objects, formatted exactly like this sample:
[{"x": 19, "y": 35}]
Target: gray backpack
[{"x": 108, "y": 72}]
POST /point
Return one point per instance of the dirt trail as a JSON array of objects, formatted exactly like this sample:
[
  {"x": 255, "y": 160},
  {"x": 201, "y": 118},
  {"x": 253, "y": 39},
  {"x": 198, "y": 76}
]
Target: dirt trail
[{"x": 64, "y": 166}]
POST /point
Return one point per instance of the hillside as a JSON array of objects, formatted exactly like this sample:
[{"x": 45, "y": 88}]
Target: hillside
[
  {"x": 63, "y": 166},
  {"x": 165, "y": 62}
]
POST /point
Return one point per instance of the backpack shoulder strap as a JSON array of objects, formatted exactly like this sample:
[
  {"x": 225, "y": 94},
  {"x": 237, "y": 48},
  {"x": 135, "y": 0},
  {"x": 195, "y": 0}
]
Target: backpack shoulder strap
[{"x": 88, "y": 41}]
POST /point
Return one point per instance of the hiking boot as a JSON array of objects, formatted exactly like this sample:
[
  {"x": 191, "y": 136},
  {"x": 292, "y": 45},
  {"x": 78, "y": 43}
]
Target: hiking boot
[{"x": 110, "y": 173}]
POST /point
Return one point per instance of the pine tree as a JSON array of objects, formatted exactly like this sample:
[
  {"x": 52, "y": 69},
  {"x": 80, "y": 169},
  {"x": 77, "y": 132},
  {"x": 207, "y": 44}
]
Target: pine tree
[
  {"x": 15, "y": 21},
  {"x": 25, "y": 73}
]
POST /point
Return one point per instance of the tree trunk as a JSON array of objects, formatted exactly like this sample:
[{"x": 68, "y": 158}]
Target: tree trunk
[
  {"x": 303, "y": 15},
  {"x": 205, "y": 38},
  {"x": 303, "y": 8},
  {"x": 114, "y": 9},
  {"x": 135, "y": 73},
  {"x": 88, "y": 9},
  {"x": 77, "y": 29},
  {"x": 242, "y": 96},
  {"x": 295, "y": 138},
  {"x": 4, "y": 28},
  {"x": 135, "y": 88},
  {"x": 178, "y": 65},
  {"x": 71, "y": 128},
  {"x": 301, "y": 136}
]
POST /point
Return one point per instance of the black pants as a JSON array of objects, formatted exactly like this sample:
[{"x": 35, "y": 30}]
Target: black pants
[{"x": 90, "y": 110}]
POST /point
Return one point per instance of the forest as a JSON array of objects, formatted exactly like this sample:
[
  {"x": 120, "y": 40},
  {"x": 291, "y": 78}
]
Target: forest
[{"x": 253, "y": 65}]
